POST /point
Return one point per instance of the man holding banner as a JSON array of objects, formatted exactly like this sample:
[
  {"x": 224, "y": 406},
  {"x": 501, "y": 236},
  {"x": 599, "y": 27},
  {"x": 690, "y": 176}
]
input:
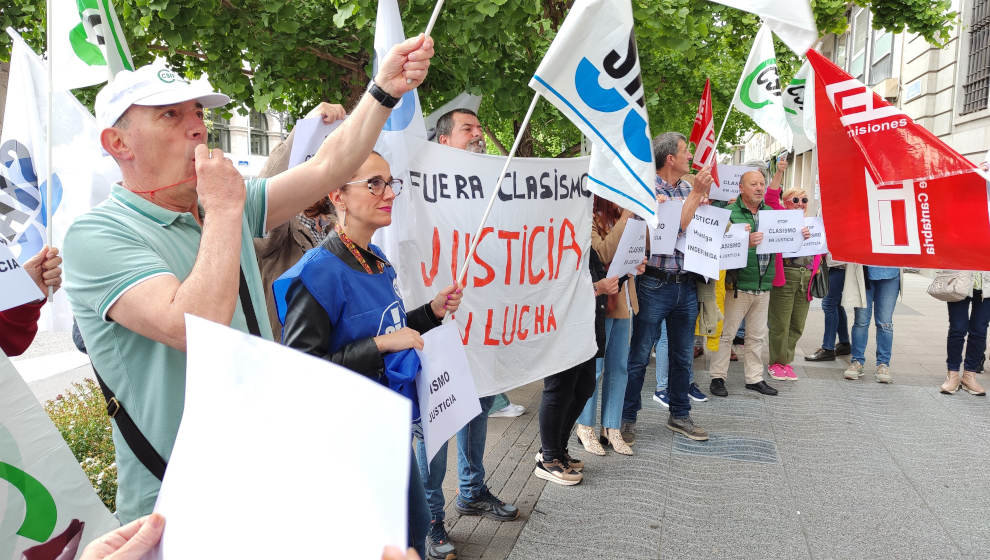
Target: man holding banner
[
  {"x": 667, "y": 292},
  {"x": 19, "y": 324},
  {"x": 175, "y": 237}
]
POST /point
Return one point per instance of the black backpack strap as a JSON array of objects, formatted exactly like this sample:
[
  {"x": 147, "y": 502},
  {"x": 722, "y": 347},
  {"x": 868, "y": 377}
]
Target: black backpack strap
[
  {"x": 247, "y": 307},
  {"x": 139, "y": 444}
]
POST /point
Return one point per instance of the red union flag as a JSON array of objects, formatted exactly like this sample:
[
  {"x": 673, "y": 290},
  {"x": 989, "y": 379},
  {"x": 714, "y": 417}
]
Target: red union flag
[
  {"x": 703, "y": 134},
  {"x": 892, "y": 193}
]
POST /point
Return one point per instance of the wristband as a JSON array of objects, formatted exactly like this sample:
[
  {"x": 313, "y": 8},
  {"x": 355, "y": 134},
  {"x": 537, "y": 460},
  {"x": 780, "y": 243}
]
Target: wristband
[{"x": 382, "y": 96}]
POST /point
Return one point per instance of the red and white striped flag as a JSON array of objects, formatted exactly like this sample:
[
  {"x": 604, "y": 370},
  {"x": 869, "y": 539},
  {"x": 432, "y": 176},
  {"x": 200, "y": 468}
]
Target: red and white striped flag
[{"x": 703, "y": 135}]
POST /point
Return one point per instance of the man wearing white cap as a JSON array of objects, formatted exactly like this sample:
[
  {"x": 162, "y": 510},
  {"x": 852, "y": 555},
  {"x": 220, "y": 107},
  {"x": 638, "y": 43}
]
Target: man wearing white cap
[{"x": 175, "y": 237}]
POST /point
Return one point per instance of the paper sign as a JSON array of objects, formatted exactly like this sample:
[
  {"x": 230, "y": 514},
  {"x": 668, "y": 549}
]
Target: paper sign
[
  {"x": 729, "y": 176},
  {"x": 703, "y": 245},
  {"x": 16, "y": 287},
  {"x": 679, "y": 244},
  {"x": 447, "y": 397},
  {"x": 310, "y": 134},
  {"x": 631, "y": 250},
  {"x": 816, "y": 243},
  {"x": 663, "y": 237},
  {"x": 735, "y": 248},
  {"x": 261, "y": 441},
  {"x": 781, "y": 231},
  {"x": 48, "y": 508}
]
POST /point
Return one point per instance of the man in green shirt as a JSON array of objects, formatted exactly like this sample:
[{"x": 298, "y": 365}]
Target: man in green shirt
[{"x": 175, "y": 237}]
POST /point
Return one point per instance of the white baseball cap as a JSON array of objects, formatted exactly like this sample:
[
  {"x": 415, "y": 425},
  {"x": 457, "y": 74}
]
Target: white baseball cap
[{"x": 150, "y": 85}]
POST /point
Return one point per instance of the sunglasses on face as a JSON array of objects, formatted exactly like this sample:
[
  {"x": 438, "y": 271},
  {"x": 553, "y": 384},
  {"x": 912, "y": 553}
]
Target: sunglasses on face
[
  {"x": 376, "y": 185},
  {"x": 797, "y": 200}
]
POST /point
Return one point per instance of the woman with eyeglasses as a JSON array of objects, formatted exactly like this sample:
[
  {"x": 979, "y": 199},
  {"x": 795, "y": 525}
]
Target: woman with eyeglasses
[
  {"x": 790, "y": 295},
  {"x": 341, "y": 302}
]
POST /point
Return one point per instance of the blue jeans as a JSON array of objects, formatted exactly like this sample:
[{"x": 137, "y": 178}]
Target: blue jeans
[
  {"x": 419, "y": 513},
  {"x": 470, "y": 465},
  {"x": 613, "y": 365},
  {"x": 836, "y": 322},
  {"x": 967, "y": 317},
  {"x": 677, "y": 304},
  {"x": 881, "y": 296},
  {"x": 663, "y": 360}
]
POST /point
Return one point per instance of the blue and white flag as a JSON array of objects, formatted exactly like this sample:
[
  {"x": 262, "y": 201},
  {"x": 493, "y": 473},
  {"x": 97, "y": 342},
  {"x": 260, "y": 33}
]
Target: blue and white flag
[
  {"x": 88, "y": 43},
  {"x": 82, "y": 173},
  {"x": 591, "y": 73},
  {"x": 407, "y": 115}
]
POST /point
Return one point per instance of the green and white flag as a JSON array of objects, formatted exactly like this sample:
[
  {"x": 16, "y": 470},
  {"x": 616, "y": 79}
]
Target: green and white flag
[
  {"x": 88, "y": 44},
  {"x": 48, "y": 508},
  {"x": 799, "y": 104},
  {"x": 758, "y": 93}
]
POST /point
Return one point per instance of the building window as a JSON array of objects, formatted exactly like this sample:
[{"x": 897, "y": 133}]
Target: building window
[
  {"x": 840, "y": 51},
  {"x": 976, "y": 88},
  {"x": 861, "y": 30},
  {"x": 219, "y": 134},
  {"x": 882, "y": 59},
  {"x": 259, "y": 134}
]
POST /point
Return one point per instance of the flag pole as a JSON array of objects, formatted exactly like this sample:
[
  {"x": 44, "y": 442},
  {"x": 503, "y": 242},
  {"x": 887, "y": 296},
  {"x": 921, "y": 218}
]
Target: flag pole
[
  {"x": 49, "y": 187},
  {"x": 497, "y": 184},
  {"x": 734, "y": 94},
  {"x": 429, "y": 26}
]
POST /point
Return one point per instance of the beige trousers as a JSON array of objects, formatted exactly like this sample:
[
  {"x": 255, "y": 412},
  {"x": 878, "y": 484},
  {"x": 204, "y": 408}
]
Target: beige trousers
[{"x": 754, "y": 309}]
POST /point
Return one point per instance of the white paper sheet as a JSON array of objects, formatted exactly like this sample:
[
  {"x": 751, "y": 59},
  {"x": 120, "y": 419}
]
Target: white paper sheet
[
  {"x": 310, "y": 134},
  {"x": 662, "y": 238},
  {"x": 728, "y": 176},
  {"x": 781, "y": 231},
  {"x": 282, "y": 455},
  {"x": 735, "y": 248},
  {"x": 16, "y": 287},
  {"x": 630, "y": 251},
  {"x": 816, "y": 244},
  {"x": 703, "y": 245},
  {"x": 447, "y": 397}
]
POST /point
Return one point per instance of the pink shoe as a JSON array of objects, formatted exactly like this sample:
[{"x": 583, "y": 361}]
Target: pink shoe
[
  {"x": 779, "y": 372},
  {"x": 791, "y": 376}
]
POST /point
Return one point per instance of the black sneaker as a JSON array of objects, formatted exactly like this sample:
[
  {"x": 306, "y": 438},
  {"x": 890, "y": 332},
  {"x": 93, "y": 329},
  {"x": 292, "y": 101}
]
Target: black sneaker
[
  {"x": 821, "y": 355},
  {"x": 843, "y": 349},
  {"x": 438, "y": 545},
  {"x": 717, "y": 387},
  {"x": 487, "y": 505},
  {"x": 738, "y": 341}
]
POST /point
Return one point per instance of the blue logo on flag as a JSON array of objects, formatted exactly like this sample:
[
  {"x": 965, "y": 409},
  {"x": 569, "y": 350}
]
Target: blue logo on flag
[
  {"x": 23, "y": 202},
  {"x": 402, "y": 113}
]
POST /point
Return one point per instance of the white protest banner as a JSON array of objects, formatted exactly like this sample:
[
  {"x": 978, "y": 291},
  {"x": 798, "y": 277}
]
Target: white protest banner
[
  {"x": 792, "y": 21},
  {"x": 631, "y": 250},
  {"x": 309, "y": 136},
  {"x": 781, "y": 231},
  {"x": 226, "y": 453},
  {"x": 664, "y": 236},
  {"x": 48, "y": 508},
  {"x": 591, "y": 73},
  {"x": 447, "y": 397},
  {"x": 703, "y": 243},
  {"x": 528, "y": 307},
  {"x": 728, "y": 185},
  {"x": 16, "y": 287},
  {"x": 816, "y": 243},
  {"x": 735, "y": 248},
  {"x": 82, "y": 173}
]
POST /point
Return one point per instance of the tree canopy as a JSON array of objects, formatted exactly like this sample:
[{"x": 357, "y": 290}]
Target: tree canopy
[{"x": 287, "y": 56}]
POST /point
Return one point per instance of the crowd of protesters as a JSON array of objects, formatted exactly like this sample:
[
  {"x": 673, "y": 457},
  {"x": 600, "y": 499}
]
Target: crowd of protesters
[{"x": 304, "y": 272}]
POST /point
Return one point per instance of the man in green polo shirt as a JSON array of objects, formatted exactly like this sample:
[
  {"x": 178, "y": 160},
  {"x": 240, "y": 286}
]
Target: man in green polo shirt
[{"x": 175, "y": 237}]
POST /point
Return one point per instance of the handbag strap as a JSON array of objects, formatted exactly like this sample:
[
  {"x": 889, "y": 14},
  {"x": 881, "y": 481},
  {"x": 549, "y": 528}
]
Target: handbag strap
[{"x": 247, "y": 307}]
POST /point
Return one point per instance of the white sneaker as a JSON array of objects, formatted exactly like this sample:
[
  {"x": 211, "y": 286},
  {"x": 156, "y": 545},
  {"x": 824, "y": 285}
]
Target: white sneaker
[{"x": 510, "y": 411}]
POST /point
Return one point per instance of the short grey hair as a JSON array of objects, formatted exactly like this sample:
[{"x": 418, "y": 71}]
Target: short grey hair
[
  {"x": 445, "y": 124},
  {"x": 666, "y": 145},
  {"x": 758, "y": 165}
]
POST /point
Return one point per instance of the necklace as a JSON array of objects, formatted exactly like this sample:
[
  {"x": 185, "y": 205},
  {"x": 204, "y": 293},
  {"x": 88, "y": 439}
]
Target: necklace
[{"x": 357, "y": 254}]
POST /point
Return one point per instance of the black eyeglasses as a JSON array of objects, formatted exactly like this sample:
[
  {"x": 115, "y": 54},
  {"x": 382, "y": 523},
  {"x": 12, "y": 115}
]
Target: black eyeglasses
[
  {"x": 796, "y": 200},
  {"x": 376, "y": 185}
]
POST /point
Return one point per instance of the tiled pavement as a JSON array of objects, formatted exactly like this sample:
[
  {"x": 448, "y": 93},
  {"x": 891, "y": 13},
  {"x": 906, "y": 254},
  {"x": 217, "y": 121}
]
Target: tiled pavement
[{"x": 828, "y": 469}]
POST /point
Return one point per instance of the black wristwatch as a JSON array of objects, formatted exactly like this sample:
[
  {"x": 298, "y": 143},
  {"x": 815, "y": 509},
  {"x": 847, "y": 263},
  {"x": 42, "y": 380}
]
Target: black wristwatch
[{"x": 381, "y": 95}]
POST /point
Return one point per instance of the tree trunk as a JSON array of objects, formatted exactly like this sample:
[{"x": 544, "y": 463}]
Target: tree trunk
[{"x": 525, "y": 148}]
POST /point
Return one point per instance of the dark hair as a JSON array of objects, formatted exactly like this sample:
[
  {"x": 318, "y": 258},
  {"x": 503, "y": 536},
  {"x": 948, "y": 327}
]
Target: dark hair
[
  {"x": 665, "y": 145},
  {"x": 321, "y": 206},
  {"x": 605, "y": 214},
  {"x": 445, "y": 124}
]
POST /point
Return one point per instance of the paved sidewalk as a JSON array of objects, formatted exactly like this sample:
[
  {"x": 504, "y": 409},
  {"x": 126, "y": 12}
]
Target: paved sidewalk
[{"x": 828, "y": 469}]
